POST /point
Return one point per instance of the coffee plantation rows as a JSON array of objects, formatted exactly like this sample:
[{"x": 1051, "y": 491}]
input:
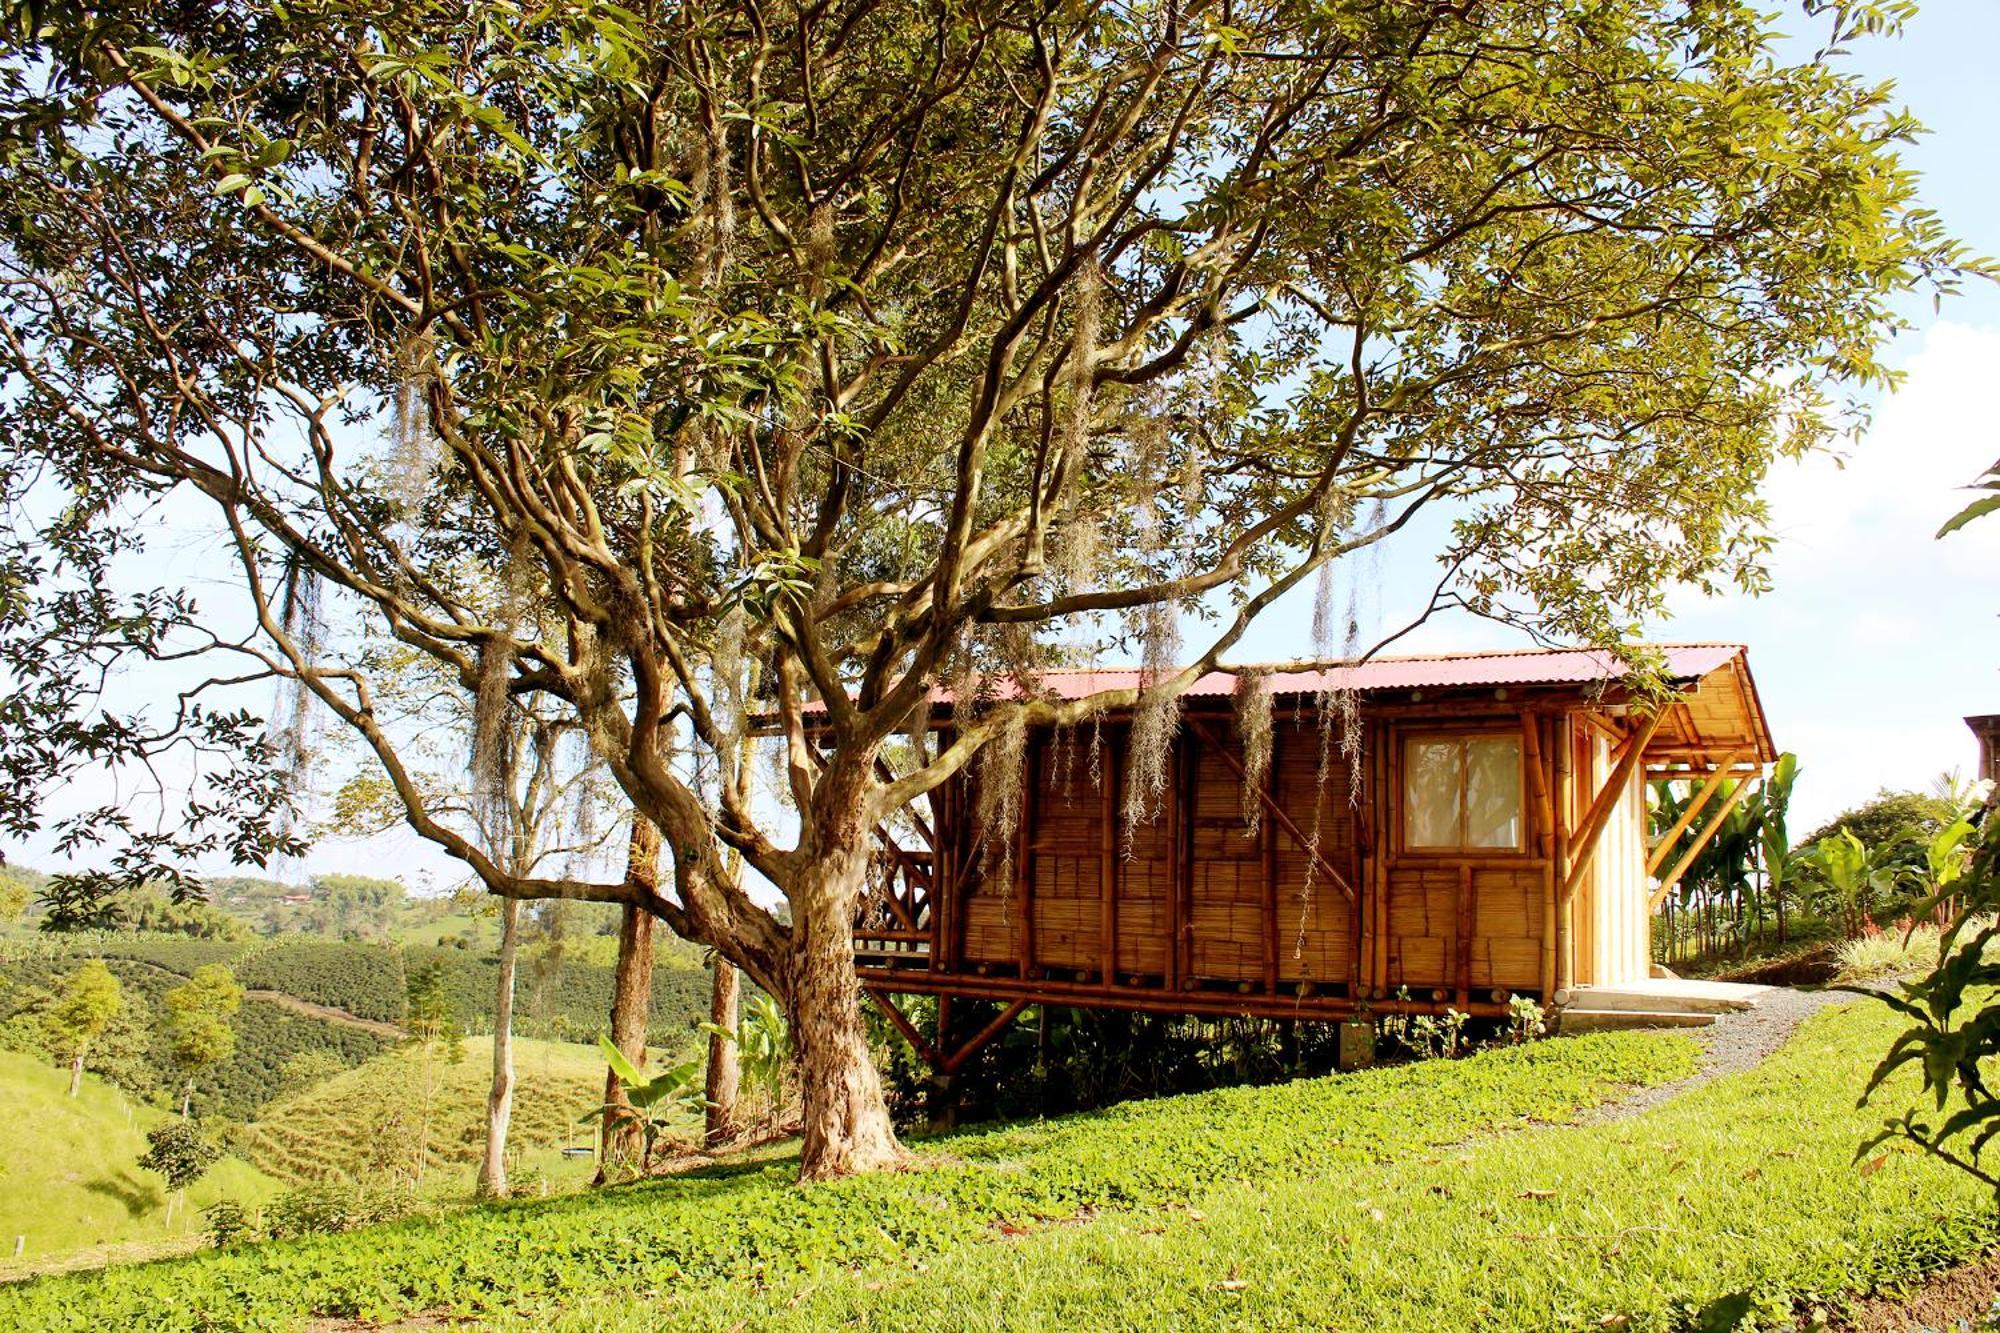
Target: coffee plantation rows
[
  {"x": 267, "y": 1036},
  {"x": 377, "y": 1121},
  {"x": 569, "y": 1002}
]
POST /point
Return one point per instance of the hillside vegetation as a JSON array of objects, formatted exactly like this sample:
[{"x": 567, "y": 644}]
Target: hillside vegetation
[
  {"x": 68, "y": 1178},
  {"x": 371, "y": 1121}
]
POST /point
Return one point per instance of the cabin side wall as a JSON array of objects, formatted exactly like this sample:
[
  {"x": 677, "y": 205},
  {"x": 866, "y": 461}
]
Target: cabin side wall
[
  {"x": 1465, "y": 925},
  {"x": 1614, "y": 902},
  {"x": 1196, "y": 898}
]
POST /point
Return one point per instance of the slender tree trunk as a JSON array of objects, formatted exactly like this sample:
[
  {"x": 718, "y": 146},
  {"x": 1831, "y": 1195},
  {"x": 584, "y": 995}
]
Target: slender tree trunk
[
  {"x": 187, "y": 1096},
  {"x": 723, "y": 1073},
  {"x": 847, "y": 1127},
  {"x": 631, "y": 997},
  {"x": 500, "y": 1100},
  {"x": 76, "y": 1073}
]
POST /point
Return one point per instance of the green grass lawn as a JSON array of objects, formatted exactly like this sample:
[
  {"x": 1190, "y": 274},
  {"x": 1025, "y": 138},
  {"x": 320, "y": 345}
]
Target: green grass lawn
[
  {"x": 1401, "y": 1198},
  {"x": 68, "y": 1174}
]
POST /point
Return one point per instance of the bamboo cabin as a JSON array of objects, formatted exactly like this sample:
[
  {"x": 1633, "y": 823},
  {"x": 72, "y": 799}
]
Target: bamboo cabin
[{"x": 1481, "y": 835}]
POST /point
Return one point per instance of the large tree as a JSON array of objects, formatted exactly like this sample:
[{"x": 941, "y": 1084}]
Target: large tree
[{"x": 850, "y": 346}]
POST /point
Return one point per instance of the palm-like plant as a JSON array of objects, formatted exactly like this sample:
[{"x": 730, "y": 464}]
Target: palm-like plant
[{"x": 653, "y": 1104}]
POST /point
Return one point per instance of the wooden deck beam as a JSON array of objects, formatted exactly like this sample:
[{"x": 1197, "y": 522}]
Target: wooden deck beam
[
  {"x": 974, "y": 1044},
  {"x": 901, "y": 1022},
  {"x": 1665, "y": 846},
  {"x": 1673, "y": 877}
]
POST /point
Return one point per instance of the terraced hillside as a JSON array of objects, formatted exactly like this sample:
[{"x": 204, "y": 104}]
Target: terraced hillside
[{"x": 374, "y": 1119}]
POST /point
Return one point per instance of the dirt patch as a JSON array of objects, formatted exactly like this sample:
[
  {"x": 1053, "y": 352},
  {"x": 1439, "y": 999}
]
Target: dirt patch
[
  {"x": 1814, "y": 968},
  {"x": 1956, "y": 1298},
  {"x": 327, "y": 1012}
]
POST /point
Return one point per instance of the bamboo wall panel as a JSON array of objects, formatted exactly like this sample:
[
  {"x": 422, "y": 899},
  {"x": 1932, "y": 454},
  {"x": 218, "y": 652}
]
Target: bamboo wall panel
[
  {"x": 1422, "y": 924},
  {"x": 1315, "y": 920},
  {"x": 1507, "y": 928},
  {"x": 1226, "y": 887},
  {"x": 1068, "y": 862}
]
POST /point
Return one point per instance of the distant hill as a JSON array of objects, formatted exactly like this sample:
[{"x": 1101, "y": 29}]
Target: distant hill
[
  {"x": 369, "y": 1121},
  {"x": 68, "y": 1179}
]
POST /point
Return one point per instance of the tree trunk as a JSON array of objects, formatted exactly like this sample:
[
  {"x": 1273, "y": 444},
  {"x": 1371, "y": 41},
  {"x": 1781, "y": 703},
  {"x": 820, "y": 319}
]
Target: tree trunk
[
  {"x": 187, "y": 1096},
  {"x": 847, "y": 1128},
  {"x": 631, "y": 997},
  {"x": 76, "y": 1073},
  {"x": 723, "y": 1073},
  {"x": 500, "y": 1100}
]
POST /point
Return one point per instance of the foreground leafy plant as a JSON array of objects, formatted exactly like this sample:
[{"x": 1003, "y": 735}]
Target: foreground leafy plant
[{"x": 1953, "y": 1010}]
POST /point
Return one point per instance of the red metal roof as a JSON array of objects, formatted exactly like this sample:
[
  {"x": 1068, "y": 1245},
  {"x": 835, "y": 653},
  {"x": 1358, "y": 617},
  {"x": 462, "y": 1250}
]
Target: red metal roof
[{"x": 1434, "y": 671}]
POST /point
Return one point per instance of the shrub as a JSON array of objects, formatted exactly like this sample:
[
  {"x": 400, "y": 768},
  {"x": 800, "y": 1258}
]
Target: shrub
[
  {"x": 365, "y": 980},
  {"x": 1876, "y": 953},
  {"x": 324, "y": 1210},
  {"x": 227, "y": 1224}
]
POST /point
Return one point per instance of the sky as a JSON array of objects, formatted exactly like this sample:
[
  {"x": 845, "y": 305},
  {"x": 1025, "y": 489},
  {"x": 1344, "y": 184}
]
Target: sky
[{"x": 1876, "y": 640}]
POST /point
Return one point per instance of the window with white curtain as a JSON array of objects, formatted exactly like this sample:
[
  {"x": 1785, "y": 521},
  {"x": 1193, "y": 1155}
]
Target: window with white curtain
[{"x": 1462, "y": 792}]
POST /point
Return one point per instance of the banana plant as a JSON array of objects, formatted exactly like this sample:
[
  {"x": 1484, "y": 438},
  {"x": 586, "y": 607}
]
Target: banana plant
[
  {"x": 763, "y": 1049},
  {"x": 654, "y": 1104}
]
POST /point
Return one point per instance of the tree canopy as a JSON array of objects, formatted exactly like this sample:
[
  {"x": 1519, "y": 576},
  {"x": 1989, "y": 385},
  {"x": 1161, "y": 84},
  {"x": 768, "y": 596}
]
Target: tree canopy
[{"x": 703, "y": 370}]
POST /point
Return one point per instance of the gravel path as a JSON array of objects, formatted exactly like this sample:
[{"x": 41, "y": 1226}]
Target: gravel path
[{"x": 1734, "y": 1042}]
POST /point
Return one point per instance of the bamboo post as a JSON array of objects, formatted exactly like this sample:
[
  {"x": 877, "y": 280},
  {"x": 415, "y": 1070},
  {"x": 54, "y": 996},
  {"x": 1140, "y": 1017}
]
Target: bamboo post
[
  {"x": 1183, "y": 886},
  {"x": 1462, "y": 930},
  {"x": 1176, "y": 761},
  {"x": 1665, "y": 846},
  {"x": 1267, "y": 839},
  {"x": 1565, "y": 795},
  {"x": 1024, "y": 856},
  {"x": 1545, "y": 839},
  {"x": 1107, "y": 867}
]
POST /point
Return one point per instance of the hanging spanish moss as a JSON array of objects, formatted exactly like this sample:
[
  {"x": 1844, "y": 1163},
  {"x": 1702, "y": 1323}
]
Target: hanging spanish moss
[
  {"x": 713, "y": 206},
  {"x": 1155, "y": 720},
  {"x": 819, "y": 249},
  {"x": 302, "y": 620},
  {"x": 1079, "y": 541},
  {"x": 413, "y": 445},
  {"x": 1002, "y": 780},
  {"x": 1253, "y": 729},
  {"x": 492, "y": 721}
]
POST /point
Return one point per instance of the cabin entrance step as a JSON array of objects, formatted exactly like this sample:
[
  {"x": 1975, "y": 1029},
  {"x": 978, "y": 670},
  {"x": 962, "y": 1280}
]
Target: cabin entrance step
[
  {"x": 1668, "y": 995},
  {"x": 1572, "y": 1021}
]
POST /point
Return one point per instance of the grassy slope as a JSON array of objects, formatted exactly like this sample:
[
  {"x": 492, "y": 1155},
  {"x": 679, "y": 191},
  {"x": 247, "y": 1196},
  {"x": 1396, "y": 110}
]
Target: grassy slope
[
  {"x": 367, "y": 1118},
  {"x": 67, "y": 1174},
  {"x": 1380, "y": 1201},
  {"x": 1717, "y": 1210},
  {"x": 725, "y": 1235}
]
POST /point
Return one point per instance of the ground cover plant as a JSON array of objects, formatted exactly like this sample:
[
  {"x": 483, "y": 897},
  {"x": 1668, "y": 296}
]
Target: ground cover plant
[
  {"x": 751, "y": 1224},
  {"x": 1738, "y": 1205}
]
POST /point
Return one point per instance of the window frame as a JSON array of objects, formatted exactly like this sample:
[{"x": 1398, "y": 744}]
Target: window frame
[{"x": 1408, "y": 736}]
